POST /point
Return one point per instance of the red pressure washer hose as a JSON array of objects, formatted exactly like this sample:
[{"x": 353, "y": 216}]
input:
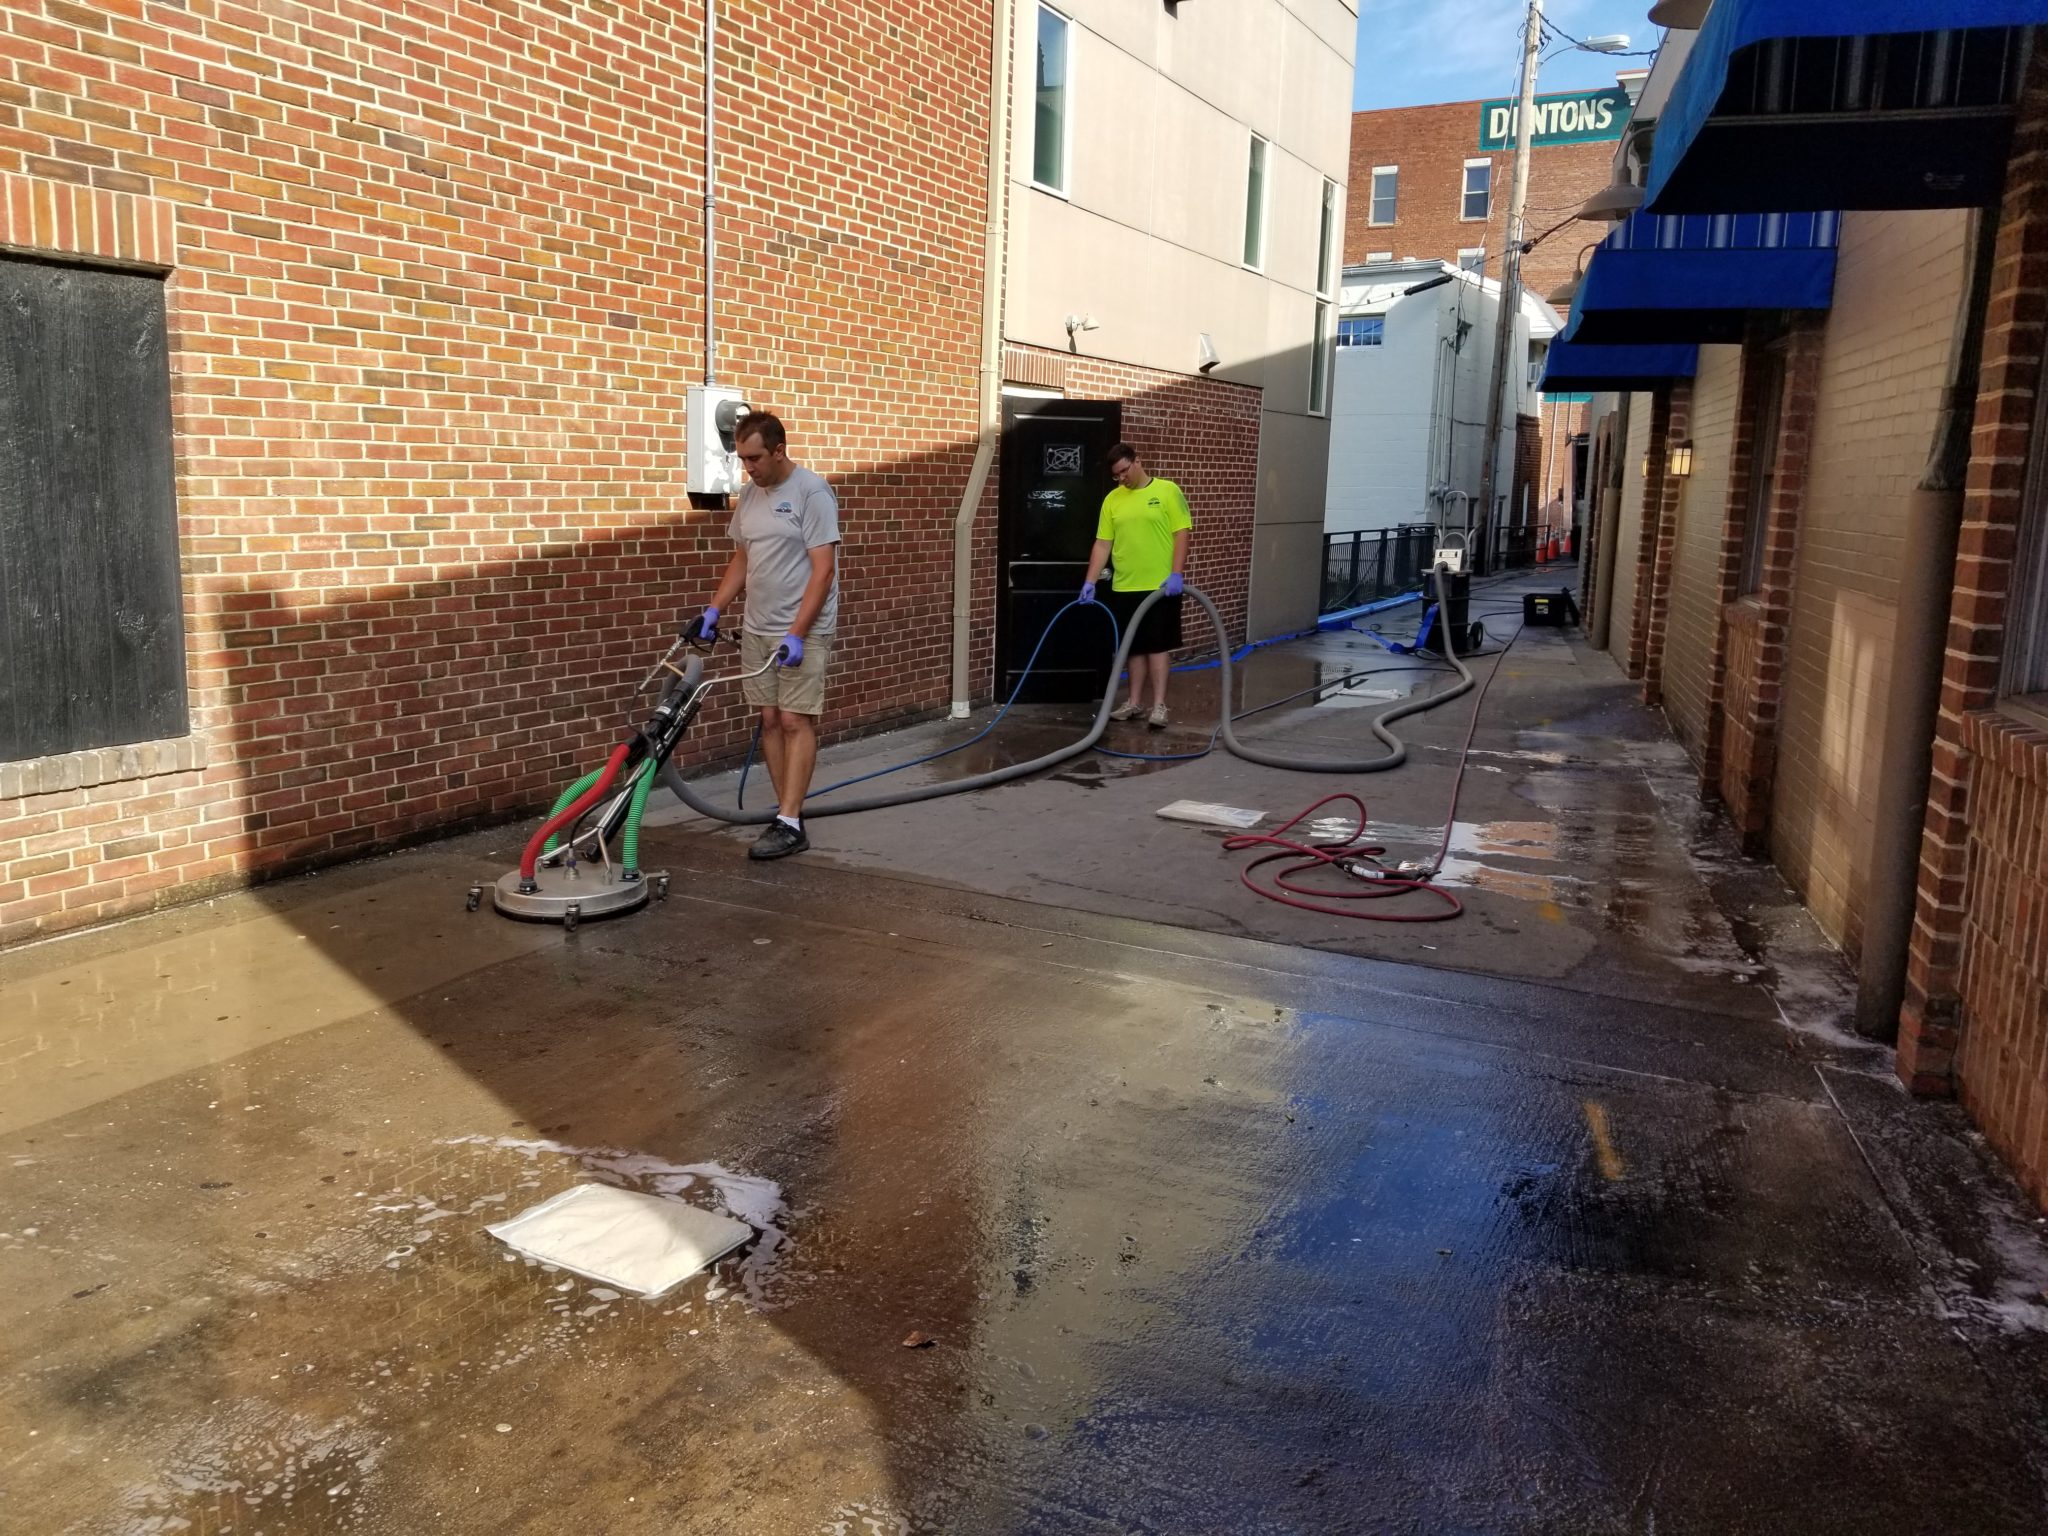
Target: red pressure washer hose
[
  {"x": 529, "y": 861},
  {"x": 1308, "y": 856}
]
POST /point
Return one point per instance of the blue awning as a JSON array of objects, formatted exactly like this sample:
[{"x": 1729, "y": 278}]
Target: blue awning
[
  {"x": 1573, "y": 367},
  {"x": 1661, "y": 278},
  {"x": 1820, "y": 104}
]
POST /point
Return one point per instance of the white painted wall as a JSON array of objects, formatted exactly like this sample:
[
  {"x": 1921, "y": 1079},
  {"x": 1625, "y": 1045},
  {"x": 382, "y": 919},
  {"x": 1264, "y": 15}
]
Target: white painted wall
[
  {"x": 1148, "y": 238},
  {"x": 1408, "y": 418}
]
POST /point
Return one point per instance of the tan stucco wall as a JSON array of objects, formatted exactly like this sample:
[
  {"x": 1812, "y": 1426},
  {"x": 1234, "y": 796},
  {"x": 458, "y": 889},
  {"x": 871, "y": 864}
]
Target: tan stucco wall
[
  {"x": 1696, "y": 566},
  {"x": 1883, "y": 365},
  {"x": 1628, "y": 541},
  {"x": 1148, "y": 239}
]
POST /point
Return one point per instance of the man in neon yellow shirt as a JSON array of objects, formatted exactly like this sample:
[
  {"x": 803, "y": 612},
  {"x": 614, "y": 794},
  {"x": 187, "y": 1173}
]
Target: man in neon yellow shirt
[{"x": 1143, "y": 536}]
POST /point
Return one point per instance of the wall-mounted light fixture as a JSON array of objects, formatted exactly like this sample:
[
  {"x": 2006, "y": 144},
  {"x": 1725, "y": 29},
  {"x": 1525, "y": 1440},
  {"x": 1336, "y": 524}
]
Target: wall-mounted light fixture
[{"x": 1677, "y": 459}]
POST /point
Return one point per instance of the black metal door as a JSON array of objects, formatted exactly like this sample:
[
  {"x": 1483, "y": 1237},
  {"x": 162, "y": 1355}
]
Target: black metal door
[{"x": 1055, "y": 474}]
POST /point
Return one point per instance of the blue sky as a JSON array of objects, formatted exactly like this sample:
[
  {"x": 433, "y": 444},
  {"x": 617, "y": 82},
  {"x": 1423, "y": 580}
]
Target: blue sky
[{"x": 1412, "y": 52}]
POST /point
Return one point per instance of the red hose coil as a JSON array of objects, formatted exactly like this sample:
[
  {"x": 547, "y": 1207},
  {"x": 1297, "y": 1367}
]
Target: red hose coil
[{"x": 529, "y": 861}]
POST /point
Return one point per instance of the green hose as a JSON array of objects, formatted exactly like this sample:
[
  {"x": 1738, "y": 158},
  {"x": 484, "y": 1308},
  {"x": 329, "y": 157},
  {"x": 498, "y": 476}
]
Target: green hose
[
  {"x": 629, "y": 849},
  {"x": 569, "y": 794}
]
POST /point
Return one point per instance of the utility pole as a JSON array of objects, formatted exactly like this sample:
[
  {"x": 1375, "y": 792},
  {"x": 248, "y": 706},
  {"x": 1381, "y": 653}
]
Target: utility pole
[{"x": 1510, "y": 275}]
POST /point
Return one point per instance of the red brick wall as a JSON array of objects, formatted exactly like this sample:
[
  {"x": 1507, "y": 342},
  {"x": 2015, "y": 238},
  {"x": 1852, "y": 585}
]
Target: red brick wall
[
  {"x": 435, "y": 296},
  {"x": 1975, "y": 1015},
  {"x": 1528, "y": 478},
  {"x": 1430, "y": 145},
  {"x": 1661, "y": 497},
  {"x": 1200, "y": 433},
  {"x": 2001, "y": 1065},
  {"x": 1757, "y": 625},
  {"x": 1651, "y": 513}
]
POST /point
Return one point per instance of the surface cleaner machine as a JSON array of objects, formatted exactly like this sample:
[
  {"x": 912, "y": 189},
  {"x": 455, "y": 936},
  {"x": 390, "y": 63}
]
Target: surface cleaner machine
[{"x": 584, "y": 861}]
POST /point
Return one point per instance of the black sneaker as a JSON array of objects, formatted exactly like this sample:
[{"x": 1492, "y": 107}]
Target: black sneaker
[{"x": 778, "y": 841}]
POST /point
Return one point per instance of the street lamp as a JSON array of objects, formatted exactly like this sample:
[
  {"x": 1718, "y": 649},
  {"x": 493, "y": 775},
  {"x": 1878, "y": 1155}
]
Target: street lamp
[{"x": 1680, "y": 15}]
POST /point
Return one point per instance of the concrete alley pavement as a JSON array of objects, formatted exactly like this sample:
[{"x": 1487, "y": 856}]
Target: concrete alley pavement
[{"x": 1093, "y": 1193}]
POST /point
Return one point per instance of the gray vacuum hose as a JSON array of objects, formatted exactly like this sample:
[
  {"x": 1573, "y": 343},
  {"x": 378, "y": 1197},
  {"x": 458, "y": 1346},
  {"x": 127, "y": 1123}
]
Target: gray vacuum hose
[{"x": 672, "y": 776}]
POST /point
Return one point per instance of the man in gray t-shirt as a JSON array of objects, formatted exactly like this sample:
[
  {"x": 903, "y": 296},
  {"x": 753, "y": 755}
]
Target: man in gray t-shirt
[{"x": 786, "y": 533}]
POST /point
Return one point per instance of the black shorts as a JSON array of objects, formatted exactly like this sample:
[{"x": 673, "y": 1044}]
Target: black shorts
[{"x": 1158, "y": 631}]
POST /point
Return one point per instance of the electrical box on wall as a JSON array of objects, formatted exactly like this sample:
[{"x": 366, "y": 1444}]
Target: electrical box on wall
[{"x": 714, "y": 412}]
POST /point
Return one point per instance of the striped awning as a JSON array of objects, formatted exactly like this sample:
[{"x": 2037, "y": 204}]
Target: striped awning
[
  {"x": 1826, "y": 104},
  {"x": 1663, "y": 278}
]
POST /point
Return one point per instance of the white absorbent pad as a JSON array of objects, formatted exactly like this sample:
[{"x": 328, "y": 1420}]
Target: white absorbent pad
[
  {"x": 621, "y": 1238},
  {"x": 1238, "y": 818}
]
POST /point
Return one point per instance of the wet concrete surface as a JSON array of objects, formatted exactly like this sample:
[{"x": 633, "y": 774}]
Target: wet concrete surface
[{"x": 1209, "y": 1230}]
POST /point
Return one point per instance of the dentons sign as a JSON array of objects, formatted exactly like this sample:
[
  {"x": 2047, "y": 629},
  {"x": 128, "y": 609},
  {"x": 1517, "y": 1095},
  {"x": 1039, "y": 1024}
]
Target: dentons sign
[{"x": 1583, "y": 117}]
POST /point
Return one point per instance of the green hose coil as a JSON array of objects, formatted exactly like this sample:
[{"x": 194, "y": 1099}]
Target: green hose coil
[{"x": 629, "y": 848}]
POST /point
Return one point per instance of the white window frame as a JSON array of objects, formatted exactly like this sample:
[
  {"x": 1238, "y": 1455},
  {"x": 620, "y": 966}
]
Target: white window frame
[
  {"x": 1252, "y": 144},
  {"x": 1472, "y": 250},
  {"x": 2023, "y": 669},
  {"x": 1372, "y": 203},
  {"x": 1330, "y": 228},
  {"x": 1321, "y": 351},
  {"x": 1066, "y": 103},
  {"x": 1465, "y": 190},
  {"x": 1380, "y": 336}
]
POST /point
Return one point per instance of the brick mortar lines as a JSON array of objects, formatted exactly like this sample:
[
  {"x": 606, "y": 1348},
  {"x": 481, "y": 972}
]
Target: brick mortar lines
[
  {"x": 1937, "y": 1014},
  {"x": 435, "y": 291}
]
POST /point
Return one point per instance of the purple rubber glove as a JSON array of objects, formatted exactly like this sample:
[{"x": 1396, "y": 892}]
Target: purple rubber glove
[
  {"x": 792, "y": 652},
  {"x": 1087, "y": 591},
  {"x": 703, "y": 627},
  {"x": 1174, "y": 585}
]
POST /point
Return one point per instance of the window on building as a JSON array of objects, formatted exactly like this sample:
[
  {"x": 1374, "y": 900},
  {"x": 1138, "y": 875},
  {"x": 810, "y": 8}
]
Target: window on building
[
  {"x": 1319, "y": 362},
  {"x": 1386, "y": 193},
  {"x": 91, "y": 614},
  {"x": 1255, "y": 206},
  {"x": 1478, "y": 190},
  {"x": 1361, "y": 330},
  {"x": 1049, "y": 128},
  {"x": 2024, "y": 672},
  {"x": 1763, "y": 467},
  {"x": 1326, "y": 243},
  {"x": 1473, "y": 259}
]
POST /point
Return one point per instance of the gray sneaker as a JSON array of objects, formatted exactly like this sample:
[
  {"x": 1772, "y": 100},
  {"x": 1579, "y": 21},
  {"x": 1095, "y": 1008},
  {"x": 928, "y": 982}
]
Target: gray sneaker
[
  {"x": 1157, "y": 719},
  {"x": 1129, "y": 711},
  {"x": 778, "y": 841}
]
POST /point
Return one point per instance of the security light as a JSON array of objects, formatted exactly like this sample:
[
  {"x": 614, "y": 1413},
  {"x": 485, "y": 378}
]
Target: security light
[{"x": 1612, "y": 42}]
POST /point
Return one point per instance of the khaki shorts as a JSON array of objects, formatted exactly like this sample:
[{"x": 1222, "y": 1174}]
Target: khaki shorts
[{"x": 799, "y": 689}]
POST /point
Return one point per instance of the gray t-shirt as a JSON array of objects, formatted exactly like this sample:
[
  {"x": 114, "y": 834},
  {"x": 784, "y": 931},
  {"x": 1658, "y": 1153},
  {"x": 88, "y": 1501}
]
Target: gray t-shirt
[{"x": 778, "y": 526}]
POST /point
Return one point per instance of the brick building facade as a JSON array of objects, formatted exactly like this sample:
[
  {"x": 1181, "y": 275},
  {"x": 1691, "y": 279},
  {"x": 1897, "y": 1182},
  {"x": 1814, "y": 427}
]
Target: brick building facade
[
  {"x": 1429, "y": 150},
  {"x": 1781, "y": 683},
  {"x": 432, "y": 287}
]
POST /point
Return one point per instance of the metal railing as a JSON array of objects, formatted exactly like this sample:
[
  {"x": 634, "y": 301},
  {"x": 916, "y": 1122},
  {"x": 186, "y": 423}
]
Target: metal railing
[{"x": 1366, "y": 566}]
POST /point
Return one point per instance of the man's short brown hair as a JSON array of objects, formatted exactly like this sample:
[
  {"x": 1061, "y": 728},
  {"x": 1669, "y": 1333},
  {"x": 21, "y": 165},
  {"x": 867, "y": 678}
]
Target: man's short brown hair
[
  {"x": 1121, "y": 452},
  {"x": 762, "y": 424}
]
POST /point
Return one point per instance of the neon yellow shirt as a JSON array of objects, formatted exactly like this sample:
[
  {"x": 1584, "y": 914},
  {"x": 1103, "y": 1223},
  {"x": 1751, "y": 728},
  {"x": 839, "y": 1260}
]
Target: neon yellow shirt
[{"x": 1140, "y": 526}]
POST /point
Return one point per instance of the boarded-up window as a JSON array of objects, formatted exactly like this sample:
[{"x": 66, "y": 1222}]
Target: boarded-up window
[{"x": 92, "y": 635}]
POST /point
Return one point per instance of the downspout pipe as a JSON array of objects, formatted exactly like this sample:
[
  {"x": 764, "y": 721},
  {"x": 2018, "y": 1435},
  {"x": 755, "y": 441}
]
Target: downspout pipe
[
  {"x": 710, "y": 191},
  {"x": 991, "y": 381},
  {"x": 1615, "y": 477},
  {"x": 1934, "y": 518}
]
